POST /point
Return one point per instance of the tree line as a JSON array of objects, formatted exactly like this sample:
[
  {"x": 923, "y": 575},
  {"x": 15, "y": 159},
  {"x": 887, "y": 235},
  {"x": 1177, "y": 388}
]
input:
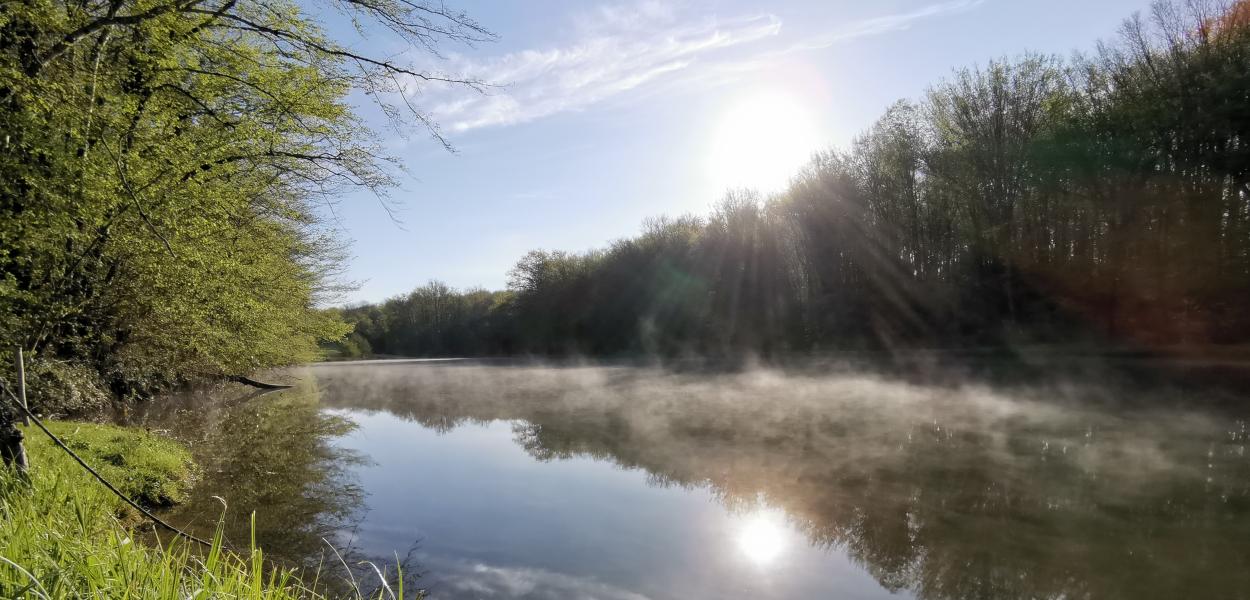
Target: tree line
[
  {"x": 164, "y": 169},
  {"x": 1101, "y": 199}
]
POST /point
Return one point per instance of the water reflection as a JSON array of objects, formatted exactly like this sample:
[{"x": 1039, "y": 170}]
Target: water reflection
[
  {"x": 272, "y": 454},
  {"x": 762, "y": 537},
  {"x": 951, "y": 492}
]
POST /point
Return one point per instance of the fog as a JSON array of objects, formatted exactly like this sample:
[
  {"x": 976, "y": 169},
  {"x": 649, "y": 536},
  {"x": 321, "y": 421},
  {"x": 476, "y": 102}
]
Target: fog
[{"x": 958, "y": 489}]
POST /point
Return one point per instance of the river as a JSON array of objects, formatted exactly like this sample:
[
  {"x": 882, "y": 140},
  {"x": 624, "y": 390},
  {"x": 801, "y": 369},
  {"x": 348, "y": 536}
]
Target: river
[{"x": 499, "y": 480}]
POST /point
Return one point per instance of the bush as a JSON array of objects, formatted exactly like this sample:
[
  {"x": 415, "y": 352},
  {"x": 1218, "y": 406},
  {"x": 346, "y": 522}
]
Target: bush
[{"x": 64, "y": 388}]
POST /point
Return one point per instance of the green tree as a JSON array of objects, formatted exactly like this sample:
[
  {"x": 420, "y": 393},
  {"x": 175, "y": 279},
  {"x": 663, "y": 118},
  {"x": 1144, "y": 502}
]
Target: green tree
[{"x": 164, "y": 168}]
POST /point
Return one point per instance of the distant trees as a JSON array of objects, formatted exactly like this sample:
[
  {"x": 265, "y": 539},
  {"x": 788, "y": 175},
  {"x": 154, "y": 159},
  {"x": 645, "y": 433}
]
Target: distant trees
[
  {"x": 1106, "y": 198},
  {"x": 432, "y": 320},
  {"x": 160, "y": 170}
]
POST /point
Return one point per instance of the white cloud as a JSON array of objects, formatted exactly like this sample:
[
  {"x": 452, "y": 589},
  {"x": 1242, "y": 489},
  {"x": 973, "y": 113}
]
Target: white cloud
[
  {"x": 456, "y": 578},
  {"x": 619, "y": 48}
]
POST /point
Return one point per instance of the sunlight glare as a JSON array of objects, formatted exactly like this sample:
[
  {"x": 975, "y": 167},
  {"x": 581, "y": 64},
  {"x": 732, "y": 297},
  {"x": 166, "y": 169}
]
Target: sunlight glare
[
  {"x": 761, "y": 141},
  {"x": 761, "y": 537}
]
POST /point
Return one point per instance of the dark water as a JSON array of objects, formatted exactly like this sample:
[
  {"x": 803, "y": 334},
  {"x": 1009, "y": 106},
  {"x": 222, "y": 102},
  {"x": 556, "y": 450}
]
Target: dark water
[{"x": 495, "y": 481}]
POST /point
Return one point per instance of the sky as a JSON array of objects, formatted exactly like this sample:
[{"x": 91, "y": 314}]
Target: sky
[{"x": 604, "y": 114}]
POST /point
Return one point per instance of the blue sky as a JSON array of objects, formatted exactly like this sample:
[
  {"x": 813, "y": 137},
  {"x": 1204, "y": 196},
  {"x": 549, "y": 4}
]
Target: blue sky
[{"x": 609, "y": 113}]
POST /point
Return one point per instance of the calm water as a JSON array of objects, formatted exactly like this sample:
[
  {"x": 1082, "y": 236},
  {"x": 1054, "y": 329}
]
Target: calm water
[{"x": 497, "y": 481}]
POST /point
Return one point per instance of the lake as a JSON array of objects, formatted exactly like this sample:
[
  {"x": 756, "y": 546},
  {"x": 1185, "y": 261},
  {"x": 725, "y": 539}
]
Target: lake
[{"x": 500, "y": 480}]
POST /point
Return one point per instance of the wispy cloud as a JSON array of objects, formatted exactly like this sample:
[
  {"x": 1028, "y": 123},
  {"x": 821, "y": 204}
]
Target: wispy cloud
[
  {"x": 885, "y": 24},
  {"x": 617, "y": 51},
  {"x": 618, "y": 48}
]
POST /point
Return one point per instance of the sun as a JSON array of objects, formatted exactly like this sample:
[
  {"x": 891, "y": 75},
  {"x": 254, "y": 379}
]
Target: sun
[
  {"x": 761, "y": 140},
  {"x": 761, "y": 537}
]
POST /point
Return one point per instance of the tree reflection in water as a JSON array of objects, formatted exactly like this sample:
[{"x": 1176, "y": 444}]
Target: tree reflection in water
[
  {"x": 271, "y": 454},
  {"x": 946, "y": 491}
]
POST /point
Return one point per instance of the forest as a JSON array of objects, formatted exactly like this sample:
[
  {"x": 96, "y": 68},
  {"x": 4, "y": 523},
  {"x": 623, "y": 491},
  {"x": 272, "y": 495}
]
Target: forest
[{"x": 1101, "y": 200}]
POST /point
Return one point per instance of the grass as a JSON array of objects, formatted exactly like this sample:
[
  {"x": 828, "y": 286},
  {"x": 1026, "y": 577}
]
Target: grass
[
  {"x": 152, "y": 470},
  {"x": 64, "y": 536}
]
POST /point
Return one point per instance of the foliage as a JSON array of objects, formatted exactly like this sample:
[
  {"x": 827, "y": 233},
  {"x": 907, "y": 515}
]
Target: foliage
[
  {"x": 65, "y": 387},
  {"x": 1105, "y": 199},
  {"x": 433, "y": 319},
  {"x": 165, "y": 166}
]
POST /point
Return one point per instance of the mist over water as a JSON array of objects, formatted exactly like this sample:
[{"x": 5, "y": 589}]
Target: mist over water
[{"x": 590, "y": 480}]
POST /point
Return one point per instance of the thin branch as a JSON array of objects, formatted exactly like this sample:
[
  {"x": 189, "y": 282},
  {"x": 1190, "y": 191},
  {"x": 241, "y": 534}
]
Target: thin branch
[
  {"x": 134, "y": 197},
  {"x": 109, "y": 20}
]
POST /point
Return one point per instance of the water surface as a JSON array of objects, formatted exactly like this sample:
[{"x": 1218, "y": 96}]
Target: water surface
[{"x": 591, "y": 481}]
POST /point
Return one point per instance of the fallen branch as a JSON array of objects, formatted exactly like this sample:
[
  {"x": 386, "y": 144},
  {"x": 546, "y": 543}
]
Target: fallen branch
[{"x": 259, "y": 384}]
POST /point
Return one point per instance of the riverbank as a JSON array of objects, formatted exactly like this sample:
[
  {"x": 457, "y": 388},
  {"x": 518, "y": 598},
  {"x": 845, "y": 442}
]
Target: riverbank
[{"x": 62, "y": 535}]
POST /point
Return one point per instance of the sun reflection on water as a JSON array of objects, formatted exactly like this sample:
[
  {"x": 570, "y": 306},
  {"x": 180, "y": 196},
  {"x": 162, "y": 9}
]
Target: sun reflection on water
[{"x": 761, "y": 536}]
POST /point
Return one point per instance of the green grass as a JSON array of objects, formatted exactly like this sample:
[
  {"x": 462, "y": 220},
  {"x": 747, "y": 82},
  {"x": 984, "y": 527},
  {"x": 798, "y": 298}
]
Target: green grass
[
  {"x": 152, "y": 470},
  {"x": 64, "y": 536}
]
